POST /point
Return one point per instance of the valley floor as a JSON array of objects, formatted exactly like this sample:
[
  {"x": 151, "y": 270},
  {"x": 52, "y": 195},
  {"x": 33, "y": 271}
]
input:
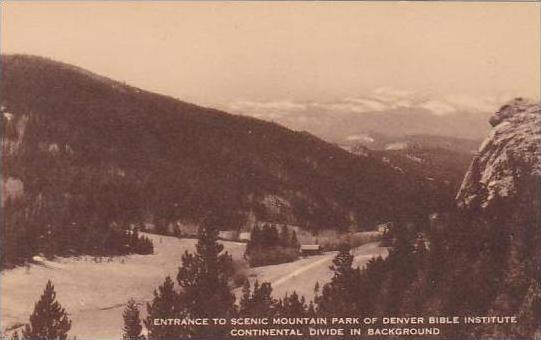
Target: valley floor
[{"x": 94, "y": 293}]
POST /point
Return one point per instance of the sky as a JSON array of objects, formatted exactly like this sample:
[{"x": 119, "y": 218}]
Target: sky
[{"x": 214, "y": 53}]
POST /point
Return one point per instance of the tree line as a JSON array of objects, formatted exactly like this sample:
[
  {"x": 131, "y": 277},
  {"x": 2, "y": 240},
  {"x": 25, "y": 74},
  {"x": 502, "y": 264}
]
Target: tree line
[
  {"x": 268, "y": 245},
  {"x": 41, "y": 226}
]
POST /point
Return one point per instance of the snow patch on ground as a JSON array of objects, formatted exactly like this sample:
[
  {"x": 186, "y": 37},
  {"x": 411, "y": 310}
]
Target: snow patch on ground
[
  {"x": 94, "y": 291},
  {"x": 396, "y": 146},
  {"x": 415, "y": 159}
]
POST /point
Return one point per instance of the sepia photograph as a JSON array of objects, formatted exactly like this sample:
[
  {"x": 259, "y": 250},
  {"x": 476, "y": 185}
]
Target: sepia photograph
[{"x": 270, "y": 170}]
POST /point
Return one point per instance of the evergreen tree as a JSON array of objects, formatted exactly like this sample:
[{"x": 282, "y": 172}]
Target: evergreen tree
[
  {"x": 294, "y": 243},
  {"x": 165, "y": 305},
  {"x": 49, "y": 320},
  {"x": 311, "y": 310},
  {"x": 263, "y": 302},
  {"x": 132, "y": 323},
  {"x": 293, "y": 306},
  {"x": 284, "y": 236},
  {"x": 245, "y": 299},
  {"x": 204, "y": 282},
  {"x": 255, "y": 241},
  {"x": 258, "y": 304},
  {"x": 338, "y": 296}
]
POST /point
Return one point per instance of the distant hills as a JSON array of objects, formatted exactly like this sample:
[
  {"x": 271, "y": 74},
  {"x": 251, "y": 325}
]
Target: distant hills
[
  {"x": 438, "y": 158},
  {"x": 104, "y": 150},
  {"x": 380, "y": 141}
]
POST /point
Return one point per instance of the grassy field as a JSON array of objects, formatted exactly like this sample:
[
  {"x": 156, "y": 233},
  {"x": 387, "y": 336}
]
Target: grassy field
[{"x": 94, "y": 291}]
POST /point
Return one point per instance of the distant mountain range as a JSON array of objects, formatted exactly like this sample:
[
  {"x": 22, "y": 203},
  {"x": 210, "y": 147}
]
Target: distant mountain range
[
  {"x": 387, "y": 111},
  {"x": 102, "y": 150},
  {"x": 378, "y": 141},
  {"x": 423, "y": 133}
]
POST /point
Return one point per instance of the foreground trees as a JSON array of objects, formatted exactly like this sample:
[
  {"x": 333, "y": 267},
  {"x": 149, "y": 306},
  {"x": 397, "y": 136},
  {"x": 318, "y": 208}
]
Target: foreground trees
[
  {"x": 203, "y": 279},
  {"x": 465, "y": 263},
  {"x": 338, "y": 297},
  {"x": 258, "y": 302},
  {"x": 165, "y": 305},
  {"x": 49, "y": 320},
  {"x": 132, "y": 322}
]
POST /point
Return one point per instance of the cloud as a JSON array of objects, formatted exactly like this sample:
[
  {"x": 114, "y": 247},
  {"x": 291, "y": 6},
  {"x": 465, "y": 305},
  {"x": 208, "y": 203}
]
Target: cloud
[
  {"x": 369, "y": 104},
  {"x": 389, "y": 94},
  {"x": 439, "y": 108},
  {"x": 345, "y": 107},
  {"x": 245, "y": 105},
  {"x": 382, "y": 99}
]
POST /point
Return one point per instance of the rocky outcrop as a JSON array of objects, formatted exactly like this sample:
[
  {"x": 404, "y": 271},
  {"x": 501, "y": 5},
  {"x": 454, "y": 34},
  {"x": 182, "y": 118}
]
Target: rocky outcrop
[{"x": 511, "y": 152}]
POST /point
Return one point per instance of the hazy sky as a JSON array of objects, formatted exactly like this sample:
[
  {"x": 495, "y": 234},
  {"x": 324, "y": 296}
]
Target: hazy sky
[{"x": 218, "y": 52}]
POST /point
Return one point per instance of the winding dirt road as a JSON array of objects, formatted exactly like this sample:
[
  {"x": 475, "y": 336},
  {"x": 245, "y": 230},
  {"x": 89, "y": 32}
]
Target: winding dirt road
[{"x": 301, "y": 276}]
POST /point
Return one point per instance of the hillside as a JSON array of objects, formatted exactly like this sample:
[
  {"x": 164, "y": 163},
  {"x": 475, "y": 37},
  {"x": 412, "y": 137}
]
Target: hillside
[
  {"x": 437, "y": 158},
  {"x": 441, "y": 165},
  {"x": 100, "y": 150}
]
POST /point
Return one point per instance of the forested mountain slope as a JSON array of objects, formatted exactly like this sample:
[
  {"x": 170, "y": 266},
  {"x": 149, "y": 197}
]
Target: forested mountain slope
[{"x": 90, "y": 150}]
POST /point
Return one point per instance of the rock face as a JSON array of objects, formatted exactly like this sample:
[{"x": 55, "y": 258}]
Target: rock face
[{"x": 511, "y": 152}]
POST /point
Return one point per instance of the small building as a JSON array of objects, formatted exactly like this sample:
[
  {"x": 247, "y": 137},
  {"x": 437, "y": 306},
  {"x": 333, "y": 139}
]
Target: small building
[
  {"x": 227, "y": 235},
  {"x": 244, "y": 236},
  {"x": 384, "y": 227},
  {"x": 310, "y": 249}
]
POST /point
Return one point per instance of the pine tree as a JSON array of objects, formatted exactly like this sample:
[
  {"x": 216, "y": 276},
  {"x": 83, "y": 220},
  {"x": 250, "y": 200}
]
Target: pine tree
[
  {"x": 49, "y": 320},
  {"x": 293, "y": 306},
  {"x": 258, "y": 303},
  {"x": 204, "y": 281},
  {"x": 294, "y": 243},
  {"x": 132, "y": 322},
  {"x": 245, "y": 299},
  {"x": 284, "y": 237},
  {"x": 262, "y": 303},
  {"x": 311, "y": 310},
  {"x": 338, "y": 296},
  {"x": 165, "y": 305}
]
